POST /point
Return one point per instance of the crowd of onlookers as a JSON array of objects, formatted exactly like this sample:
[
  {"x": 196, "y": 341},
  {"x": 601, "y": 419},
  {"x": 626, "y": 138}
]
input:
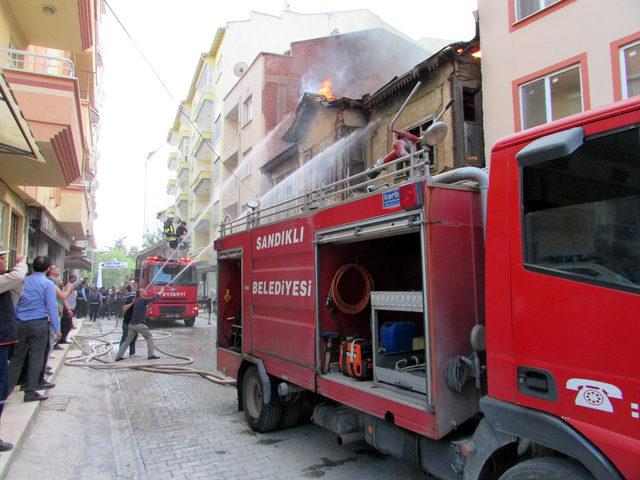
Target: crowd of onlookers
[
  {"x": 101, "y": 302},
  {"x": 36, "y": 315}
]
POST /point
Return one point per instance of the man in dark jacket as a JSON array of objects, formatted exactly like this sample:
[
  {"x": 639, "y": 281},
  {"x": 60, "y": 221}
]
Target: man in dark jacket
[
  {"x": 10, "y": 290},
  {"x": 138, "y": 324},
  {"x": 81, "y": 301},
  {"x": 128, "y": 300},
  {"x": 181, "y": 232},
  {"x": 94, "y": 303}
]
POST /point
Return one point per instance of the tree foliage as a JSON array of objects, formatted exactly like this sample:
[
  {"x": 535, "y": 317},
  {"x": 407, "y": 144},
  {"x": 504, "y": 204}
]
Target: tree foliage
[
  {"x": 114, "y": 277},
  {"x": 151, "y": 237}
]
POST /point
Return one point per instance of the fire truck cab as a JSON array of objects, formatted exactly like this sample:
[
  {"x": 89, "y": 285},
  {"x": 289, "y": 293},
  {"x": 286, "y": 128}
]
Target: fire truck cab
[
  {"x": 179, "y": 300},
  {"x": 481, "y": 329}
]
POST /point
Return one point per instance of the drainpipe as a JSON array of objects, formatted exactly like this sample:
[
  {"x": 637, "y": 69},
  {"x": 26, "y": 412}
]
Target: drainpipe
[{"x": 468, "y": 173}]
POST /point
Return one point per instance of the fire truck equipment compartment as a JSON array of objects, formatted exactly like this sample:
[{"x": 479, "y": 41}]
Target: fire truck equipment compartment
[
  {"x": 230, "y": 292},
  {"x": 397, "y": 336}
]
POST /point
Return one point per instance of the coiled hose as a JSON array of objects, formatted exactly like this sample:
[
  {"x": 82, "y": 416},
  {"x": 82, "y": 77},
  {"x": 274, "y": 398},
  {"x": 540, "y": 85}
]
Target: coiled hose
[
  {"x": 101, "y": 348},
  {"x": 334, "y": 292}
]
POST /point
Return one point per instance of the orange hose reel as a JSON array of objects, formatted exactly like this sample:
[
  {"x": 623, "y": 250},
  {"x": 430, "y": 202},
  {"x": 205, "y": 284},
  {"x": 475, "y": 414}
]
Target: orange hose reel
[{"x": 348, "y": 308}]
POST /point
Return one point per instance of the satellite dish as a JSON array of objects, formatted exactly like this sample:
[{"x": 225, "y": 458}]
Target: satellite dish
[
  {"x": 239, "y": 68},
  {"x": 253, "y": 203}
]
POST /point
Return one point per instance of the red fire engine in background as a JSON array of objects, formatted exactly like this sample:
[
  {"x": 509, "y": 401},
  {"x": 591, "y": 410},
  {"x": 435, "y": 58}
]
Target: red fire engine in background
[
  {"x": 180, "y": 298},
  {"x": 503, "y": 348}
]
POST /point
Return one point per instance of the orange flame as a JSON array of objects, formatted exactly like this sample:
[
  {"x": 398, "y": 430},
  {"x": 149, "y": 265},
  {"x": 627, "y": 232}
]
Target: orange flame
[{"x": 325, "y": 90}]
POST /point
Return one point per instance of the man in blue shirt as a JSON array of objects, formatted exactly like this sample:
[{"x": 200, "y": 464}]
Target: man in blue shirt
[{"x": 36, "y": 307}]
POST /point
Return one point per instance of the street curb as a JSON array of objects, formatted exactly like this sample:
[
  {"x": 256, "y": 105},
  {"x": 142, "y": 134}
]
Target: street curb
[{"x": 18, "y": 416}]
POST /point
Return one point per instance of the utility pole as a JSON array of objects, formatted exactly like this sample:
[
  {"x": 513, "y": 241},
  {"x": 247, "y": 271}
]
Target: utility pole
[{"x": 144, "y": 203}]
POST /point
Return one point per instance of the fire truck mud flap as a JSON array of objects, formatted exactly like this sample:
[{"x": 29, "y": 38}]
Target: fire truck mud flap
[
  {"x": 549, "y": 431},
  {"x": 247, "y": 361}
]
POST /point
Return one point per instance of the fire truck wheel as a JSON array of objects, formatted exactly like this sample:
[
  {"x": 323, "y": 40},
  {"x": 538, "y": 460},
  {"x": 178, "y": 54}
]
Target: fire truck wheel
[
  {"x": 189, "y": 321},
  {"x": 547, "y": 468},
  {"x": 260, "y": 417}
]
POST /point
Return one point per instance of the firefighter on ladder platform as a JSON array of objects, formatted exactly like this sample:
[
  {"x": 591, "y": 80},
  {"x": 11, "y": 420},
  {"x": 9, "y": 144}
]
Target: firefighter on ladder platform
[{"x": 169, "y": 232}]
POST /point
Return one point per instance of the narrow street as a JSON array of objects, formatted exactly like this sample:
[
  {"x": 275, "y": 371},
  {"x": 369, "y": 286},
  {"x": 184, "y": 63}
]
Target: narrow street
[
  {"x": 417, "y": 223},
  {"x": 138, "y": 425}
]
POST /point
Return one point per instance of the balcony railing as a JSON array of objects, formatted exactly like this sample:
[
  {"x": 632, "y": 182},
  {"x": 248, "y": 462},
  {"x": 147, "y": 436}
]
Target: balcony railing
[{"x": 12, "y": 59}]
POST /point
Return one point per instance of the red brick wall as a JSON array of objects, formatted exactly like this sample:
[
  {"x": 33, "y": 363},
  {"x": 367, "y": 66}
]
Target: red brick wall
[{"x": 357, "y": 63}]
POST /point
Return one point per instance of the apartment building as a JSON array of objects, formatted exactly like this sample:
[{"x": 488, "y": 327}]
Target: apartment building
[
  {"x": 329, "y": 139},
  {"x": 50, "y": 68},
  {"x": 197, "y": 132},
  {"x": 267, "y": 94},
  {"x": 546, "y": 59}
]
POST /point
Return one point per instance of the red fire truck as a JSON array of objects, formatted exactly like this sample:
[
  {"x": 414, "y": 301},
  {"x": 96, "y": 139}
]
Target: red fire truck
[
  {"x": 502, "y": 348},
  {"x": 180, "y": 298}
]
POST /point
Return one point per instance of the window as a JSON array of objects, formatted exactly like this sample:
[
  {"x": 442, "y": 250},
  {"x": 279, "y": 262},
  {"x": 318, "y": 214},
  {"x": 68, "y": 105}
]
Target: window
[
  {"x": 216, "y": 213},
  {"x": 205, "y": 82},
  {"x": 526, "y": 8},
  {"x": 581, "y": 213},
  {"x": 247, "y": 110},
  {"x": 184, "y": 146},
  {"x": 244, "y": 168},
  {"x": 307, "y": 155},
  {"x": 216, "y": 129},
  {"x": 284, "y": 188},
  {"x": 14, "y": 232},
  {"x": 216, "y": 171},
  {"x": 173, "y": 274},
  {"x": 419, "y": 130},
  {"x": 551, "y": 97},
  {"x": 352, "y": 158},
  {"x": 230, "y": 212},
  {"x": 3, "y": 209},
  {"x": 630, "y": 70}
]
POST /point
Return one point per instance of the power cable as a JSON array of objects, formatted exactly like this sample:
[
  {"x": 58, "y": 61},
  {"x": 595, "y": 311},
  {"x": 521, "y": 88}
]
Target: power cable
[
  {"x": 180, "y": 107},
  {"x": 182, "y": 114}
]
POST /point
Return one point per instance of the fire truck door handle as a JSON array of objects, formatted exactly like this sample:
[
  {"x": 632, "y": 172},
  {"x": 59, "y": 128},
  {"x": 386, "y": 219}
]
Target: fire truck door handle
[{"x": 536, "y": 382}]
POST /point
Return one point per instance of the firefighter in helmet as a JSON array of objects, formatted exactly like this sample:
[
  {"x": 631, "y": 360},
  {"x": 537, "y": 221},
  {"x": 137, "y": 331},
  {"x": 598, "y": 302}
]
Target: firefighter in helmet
[{"x": 169, "y": 232}]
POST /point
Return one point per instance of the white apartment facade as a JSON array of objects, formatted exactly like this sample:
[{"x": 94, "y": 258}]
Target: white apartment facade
[{"x": 197, "y": 131}]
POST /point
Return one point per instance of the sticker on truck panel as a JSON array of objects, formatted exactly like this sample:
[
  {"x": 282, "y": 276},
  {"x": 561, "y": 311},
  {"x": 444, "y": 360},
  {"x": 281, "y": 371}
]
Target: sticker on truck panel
[
  {"x": 593, "y": 394},
  {"x": 391, "y": 199}
]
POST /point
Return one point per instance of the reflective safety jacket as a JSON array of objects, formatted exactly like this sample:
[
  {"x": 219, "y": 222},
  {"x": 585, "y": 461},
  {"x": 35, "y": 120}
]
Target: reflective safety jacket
[{"x": 169, "y": 232}]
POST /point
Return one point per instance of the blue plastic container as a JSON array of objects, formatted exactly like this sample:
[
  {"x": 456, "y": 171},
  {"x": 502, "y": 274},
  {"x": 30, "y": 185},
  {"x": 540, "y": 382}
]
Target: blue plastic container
[{"x": 397, "y": 336}]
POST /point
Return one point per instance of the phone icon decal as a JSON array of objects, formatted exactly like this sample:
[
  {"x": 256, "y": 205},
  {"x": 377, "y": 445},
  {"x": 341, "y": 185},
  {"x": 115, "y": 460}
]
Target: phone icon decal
[{"x": 593, "y": 394}]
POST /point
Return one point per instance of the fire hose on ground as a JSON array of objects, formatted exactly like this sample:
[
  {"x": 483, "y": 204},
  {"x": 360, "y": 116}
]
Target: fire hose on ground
[{"x": 94, "y": 358}]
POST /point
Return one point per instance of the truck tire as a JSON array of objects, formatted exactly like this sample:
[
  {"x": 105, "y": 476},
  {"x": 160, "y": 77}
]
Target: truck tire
[
  {"x": 189, "y": 321},
  {"x": 260, "y": 417},
  {"x": 547, "y": 468}
]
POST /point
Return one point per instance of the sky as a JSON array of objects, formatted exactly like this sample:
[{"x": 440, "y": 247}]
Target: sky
[{"x": 138, "y": 111}]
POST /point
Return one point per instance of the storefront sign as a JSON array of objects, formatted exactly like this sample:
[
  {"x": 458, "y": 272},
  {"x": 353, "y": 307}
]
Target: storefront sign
[{"x": 51, "y": 229}]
